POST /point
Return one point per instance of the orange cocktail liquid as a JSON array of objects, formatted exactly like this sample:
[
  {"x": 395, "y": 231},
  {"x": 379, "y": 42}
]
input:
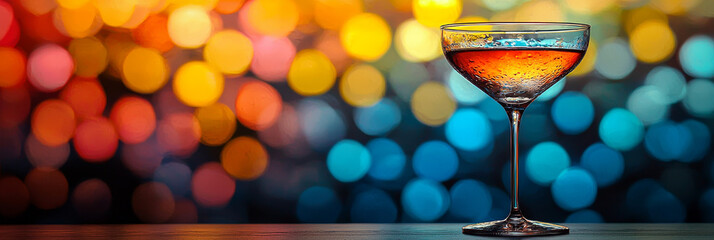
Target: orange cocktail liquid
[{"x": 514, "y": 76}]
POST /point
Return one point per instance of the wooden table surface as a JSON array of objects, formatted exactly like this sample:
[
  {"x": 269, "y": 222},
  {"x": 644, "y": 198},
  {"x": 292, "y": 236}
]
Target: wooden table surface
[{"x": 339, "y": 231}]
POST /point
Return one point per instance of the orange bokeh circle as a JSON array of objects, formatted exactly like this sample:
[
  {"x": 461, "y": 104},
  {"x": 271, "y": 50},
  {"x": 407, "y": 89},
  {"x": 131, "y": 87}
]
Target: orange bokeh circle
[
  {"x": 244, "y": 158},
  {"x": 96, "y": 140},
  {"x": 134, "y": 119},
  {"x": 12, "y": 69},
  {"x": 153, "y": 33},
  {"x": 53, "y": 122},
  {"x": 258, "y": 105},
  {"x": 48, "y": 188},
  {"x": 86, "y": 96}
]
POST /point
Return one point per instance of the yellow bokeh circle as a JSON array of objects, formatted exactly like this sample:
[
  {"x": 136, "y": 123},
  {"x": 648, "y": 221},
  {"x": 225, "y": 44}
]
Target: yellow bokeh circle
[
  {"x": 229, "y": 51},
  {"x": 197, "y": 84},
  {"x": 189, "y": 26},
  {"x": 588, "y": 63},
  {"x": 140, "y": 14},
  {"x": 115, "y": 12},
  {"x": 432, "y": 104},
  {"x": 589, "y": 7},
  {"x": 652, "y": 42},
  {"x": 366, "y": 36},
  {"x": 78, "y": 22},
  {"x": 434, "y": 13},
  {"x": 218, "y": 123},
  {"x": 244, "y": 158},
  {"x": 90, "y": 56},
  {"x": 675, "y": 7},
  {"x": 72, "y": 4},
  {"x": 332, "y": 14},
  {"x": 635, "y": 17},
  {"x": 311, "y": 73},
  {"x": 417, "y": 43},
  {"x": 540, "y": 11},
  {"x": 273, "y": 17},
  {"x": 362, "y": 85},
  {"x": 154, "y": 6},
  {"x": 207, "y": 4},
  {"x": 228, "y": 6},
  {"x": 144, "y": 70}
]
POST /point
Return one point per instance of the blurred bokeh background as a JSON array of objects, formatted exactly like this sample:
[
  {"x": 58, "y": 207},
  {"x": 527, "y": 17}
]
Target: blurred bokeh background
[{"x": 233, "y": 111}]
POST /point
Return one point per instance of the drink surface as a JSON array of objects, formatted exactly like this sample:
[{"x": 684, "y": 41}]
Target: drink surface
[{"x": 514, "y": 76}]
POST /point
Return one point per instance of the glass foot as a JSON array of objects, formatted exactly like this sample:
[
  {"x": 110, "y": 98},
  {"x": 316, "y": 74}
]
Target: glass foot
[{"x": 514, "y": 228}]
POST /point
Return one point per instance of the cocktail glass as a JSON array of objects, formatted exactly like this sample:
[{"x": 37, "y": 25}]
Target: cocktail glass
[{"x": 514, "y": 63}]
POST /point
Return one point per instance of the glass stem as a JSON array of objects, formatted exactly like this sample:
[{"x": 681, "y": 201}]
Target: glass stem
[{"x": 514, "y": 116}]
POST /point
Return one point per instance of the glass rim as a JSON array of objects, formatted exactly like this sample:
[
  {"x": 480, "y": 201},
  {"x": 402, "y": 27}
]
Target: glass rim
[{"x": 564, "y": 27}]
